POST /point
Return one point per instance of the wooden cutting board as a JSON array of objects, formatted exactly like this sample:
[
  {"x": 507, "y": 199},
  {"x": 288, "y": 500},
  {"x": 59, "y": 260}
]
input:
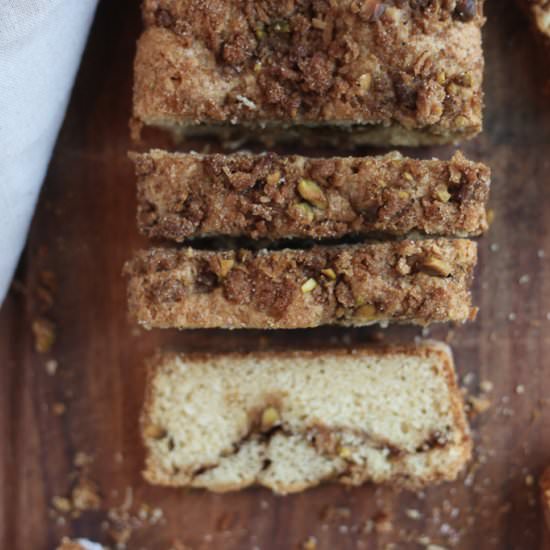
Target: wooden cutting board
[{"x": 70, "y": 273}]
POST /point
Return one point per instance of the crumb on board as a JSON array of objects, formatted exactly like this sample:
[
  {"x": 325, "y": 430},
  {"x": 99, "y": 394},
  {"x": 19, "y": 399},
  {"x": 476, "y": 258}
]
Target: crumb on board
[
  {"x": 44, "y": 334},
  {"x": 59, "y": 409},
  {"x": 310, "y": 543},
  {"x": 476, "y": 405},
  {"x": 51, "y": 366}
]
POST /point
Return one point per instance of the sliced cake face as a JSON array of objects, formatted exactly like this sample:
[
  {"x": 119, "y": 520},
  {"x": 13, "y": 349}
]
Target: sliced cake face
[
  {"x": 290, "y": 421},
  {"x": 185, "y": 196},
  {"x": 403, "y": 73},
  {"x": 418, "y": 282}
]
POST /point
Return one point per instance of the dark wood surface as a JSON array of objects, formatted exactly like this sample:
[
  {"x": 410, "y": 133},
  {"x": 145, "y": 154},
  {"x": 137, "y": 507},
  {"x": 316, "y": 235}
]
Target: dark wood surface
[{"x": 84, "y": 230}]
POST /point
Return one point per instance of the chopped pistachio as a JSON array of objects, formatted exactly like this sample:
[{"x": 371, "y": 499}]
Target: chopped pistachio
[
  {"x": 344, "y": 452},
  {"x": 329, "y": 273},
  {"x": 270, "y": 417},
  {"x": 260, "y": 32},
  {"x": 466, "y": 79},
  {"x": 257, "y": 66},
  {"x": 273, "y": 178},
  {"x": 366, "y": 312},
  {"x": 305, "y": 211},
  {"x": 404, "y": 195},
  {"x": 312, "y": 193},
  {"x": 408, "y": 176},
  {"x": 490, "y": 216},
  {"x": 436, "y": 266},
  {"x": 442, "y": 194},
  {"x": 281, "y": 26},
  {"x": 441, "y": 77},
  {"x": 461, "y": 121},
  {"x": 309, "y": 286},
  {"x": 226, "y": 265},
  {"x": 453, "y": 89}
]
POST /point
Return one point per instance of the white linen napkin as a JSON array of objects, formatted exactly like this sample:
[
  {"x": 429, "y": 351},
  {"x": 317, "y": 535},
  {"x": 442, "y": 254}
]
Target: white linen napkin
[{"x": 41, "y": 43}]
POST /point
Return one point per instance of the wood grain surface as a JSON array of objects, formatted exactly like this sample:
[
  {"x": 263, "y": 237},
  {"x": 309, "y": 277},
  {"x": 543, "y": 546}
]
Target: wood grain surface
[{"x": 84, "y": 230}]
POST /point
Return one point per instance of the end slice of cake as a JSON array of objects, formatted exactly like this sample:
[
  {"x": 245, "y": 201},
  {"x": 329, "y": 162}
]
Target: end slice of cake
[
  {"x": 291, "y": 420},
  {"x": 185, "y": 196},
  {"x": 539, "y": 13},
  {"x": 419, "y": 282},
  {"x": 401, "y": 73}
]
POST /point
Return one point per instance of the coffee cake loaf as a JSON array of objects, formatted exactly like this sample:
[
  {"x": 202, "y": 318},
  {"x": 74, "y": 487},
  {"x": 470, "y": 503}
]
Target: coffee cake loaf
[
  {"x": 417, "y": 282},
  {"x": 393, "y": 72},
  {"x": 184, "y": 196},
  {"x": 292, "y": 420}
]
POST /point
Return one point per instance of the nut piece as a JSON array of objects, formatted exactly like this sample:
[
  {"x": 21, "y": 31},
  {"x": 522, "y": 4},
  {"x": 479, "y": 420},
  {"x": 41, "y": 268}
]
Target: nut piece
[
  {"x": 312, "y": 193},
  {"x": 44, "y": 335},
  {"x": 305, "y": 211},
  {"x": 344, "y": 452},
  {"x": 309, "y": 285},
  {"x": 442, "y": 194},
  {"x": 366, "y": 312},
  {"x": 404, "y": 195},
  {"x": 273, "y": 178},
  {"x": 365, "y": 81},
  {"x": 436, "y": 266},
  {"x": 61, "y": 504},
  {"x": 151, "y": 431},
  {"x": 85, "y": 495},
  {"x": 329, "y": 273},
  {"x": 226, "y": 265},
  {"x": 270, "y": 418}
]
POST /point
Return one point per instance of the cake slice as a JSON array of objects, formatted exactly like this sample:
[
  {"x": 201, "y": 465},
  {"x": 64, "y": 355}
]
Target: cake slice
[
  {"x": 401, "y": 73},
  {"x": 539, "y": 13},
  {"x": 418, "y": 282},
  {"x": 183, "y": 196},
  {"x": 291, "y": 420}
]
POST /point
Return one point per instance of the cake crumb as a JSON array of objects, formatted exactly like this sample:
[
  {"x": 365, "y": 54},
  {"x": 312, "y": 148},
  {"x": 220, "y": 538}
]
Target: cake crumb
[
  {"x": 383, "y": 523},
  {"x": 477, "y": 405},
  {"x": 44, "y": 334},
  {"x": 310, "y": 544},
  {"x": 486, "y": 386},
  {"x": 413, "y": 514},
  {"x": 85, "y": 495},
  {"x": 51, "y": 366},
  {"x": 59, "y": 409}
]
